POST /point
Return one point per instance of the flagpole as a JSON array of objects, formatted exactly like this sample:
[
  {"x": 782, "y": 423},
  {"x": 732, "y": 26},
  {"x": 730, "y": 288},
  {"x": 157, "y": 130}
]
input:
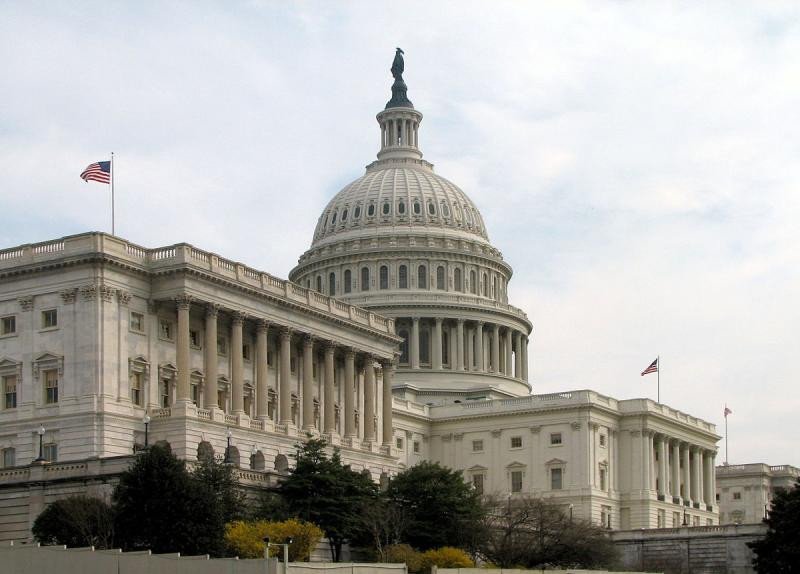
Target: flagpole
[
  {"x": 658, "y": 377},
  {"x": 726, "y": 435},
  {"x": 113, "y": 230}
]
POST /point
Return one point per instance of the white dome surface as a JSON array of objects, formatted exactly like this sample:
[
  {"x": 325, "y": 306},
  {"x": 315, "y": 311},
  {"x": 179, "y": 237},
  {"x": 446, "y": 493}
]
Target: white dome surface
[{"x": 399, "y": 197}]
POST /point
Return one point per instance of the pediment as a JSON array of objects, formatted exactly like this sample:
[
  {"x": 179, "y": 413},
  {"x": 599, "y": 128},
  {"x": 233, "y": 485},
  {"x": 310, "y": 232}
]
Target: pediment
[
  {"x": 46, "y": 357},
  {"x": 6, "y": 363},
  {"x": 476, "y": 468},
  {"x": 515, "y": 464},
  {"x": 169, "y": 367},
  {"x": 555, "y": 461}
]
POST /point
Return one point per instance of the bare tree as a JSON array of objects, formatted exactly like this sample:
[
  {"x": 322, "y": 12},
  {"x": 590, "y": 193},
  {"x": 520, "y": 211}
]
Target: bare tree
[{"x": 385, "y": 522}]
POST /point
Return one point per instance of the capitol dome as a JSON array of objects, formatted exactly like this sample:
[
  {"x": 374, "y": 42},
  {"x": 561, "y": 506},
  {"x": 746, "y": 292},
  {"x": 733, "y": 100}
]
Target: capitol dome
[{"x": 409, "y": 244}]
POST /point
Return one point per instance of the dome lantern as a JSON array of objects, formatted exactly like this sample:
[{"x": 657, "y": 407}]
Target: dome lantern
[{"x": 399, "y": 121}]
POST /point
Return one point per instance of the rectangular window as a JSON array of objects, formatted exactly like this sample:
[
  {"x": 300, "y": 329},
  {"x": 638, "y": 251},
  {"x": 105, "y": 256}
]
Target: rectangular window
[
  {"x": 10, "y": 392},
  {"x": 49, "y": 318},
  {"x": 602, "y": 440},
  {"x": 516, "y": 442},
  {"x": 717, "y": 497},
  {"x": 194, "y": 393},
  {"x": 8, "y": 325},
  {"x": 676, "y": 519},
  {"x": 516, "y": 481},
  {"x": 555, "y": 438},
  {"x": 194, "y": 338},
  {"x": 555, "y": 478},
  {"x": 292, "y": 365},
  {"x": 137, "y": 322},
  {"x": 51, "y": 387},
  {"x": 695, "y": 521},
  {"x": 222, "y": 346},
  {"x": 165, "y": 329},
  {"x": 269, "y": 358},
  {"x": 398, "y": 443},
  {"x": 477, "y": 446},
  {"x": 164, "y": 393},
  {"x": 662, "y": 519},
  {"x": 246, "y": 352},
  {"x": 477, "y": 483},
  {"x": 416, "y": 446},
  {"x": 50, "y": 452},
  {"x": 9, "y": 457},
  {"x": 602, "y": 479},
  {"x": 136, "y": 389},
  {"x": 737, "y": 495}
]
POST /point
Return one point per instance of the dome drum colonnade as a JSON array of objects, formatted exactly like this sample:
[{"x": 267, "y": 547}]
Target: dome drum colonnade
[
  {"x": 401, "y": 238},
  {"x": 356, "y": 366}
]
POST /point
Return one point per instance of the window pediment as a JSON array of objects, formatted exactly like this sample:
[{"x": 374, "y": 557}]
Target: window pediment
[
  {"x": 10, "y": 367},
  {"x": 167, "y": 371},
  {"x": 515, "y": 465},
  {"x": 138, "y": 365},
  {"x": 47, "y": 361},
  {"x": 555, "y": 462},
  {"x": 477, "y": 468}
]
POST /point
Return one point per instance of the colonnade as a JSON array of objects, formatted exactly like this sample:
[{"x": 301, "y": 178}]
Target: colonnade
[
  {"x": 356, "y": 363},
  {"x": 461, "y": 345},
  {"x": 400, "y": 132},
  {"x": 677, "y": 470}
]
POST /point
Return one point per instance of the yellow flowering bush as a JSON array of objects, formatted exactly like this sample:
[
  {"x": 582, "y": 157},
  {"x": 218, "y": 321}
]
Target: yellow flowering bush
[
  {"x": 446, "y": 557},
  {"x": 246, "y": 538}
]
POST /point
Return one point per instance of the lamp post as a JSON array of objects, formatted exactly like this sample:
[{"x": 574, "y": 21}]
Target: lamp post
[
  {"x": 228, "y": 448},
  {"x": 285, "y": 545},
  {"x": 253, "y": 452},
  {"x": 146, "y": 421},
  {"x": 571, "y": 506},
  {"x": 41, "y": 444},
  {"x": 685, "y": 519}
]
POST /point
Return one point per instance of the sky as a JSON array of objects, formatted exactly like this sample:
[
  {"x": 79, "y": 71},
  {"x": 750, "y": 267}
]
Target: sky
[{"x": 637, "y": 163}]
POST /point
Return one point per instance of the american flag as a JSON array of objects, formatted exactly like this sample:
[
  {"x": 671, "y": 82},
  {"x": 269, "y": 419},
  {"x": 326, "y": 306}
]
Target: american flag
[
  {"x": 727, "y": 411},
  {"x": 653, "y": 368},
  {"x": 98, "y": 171}
]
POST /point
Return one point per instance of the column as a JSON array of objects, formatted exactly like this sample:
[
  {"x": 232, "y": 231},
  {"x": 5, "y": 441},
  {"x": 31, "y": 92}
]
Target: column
[
  {"x": 414, "y": 343},
  {"x": 713, "y": 498},
  {"x": 508, "y": 369},
  {"x": 496, "y": 348},
  {"x": 349, "y": 406},
  {"x": 237, "y": 381},
  {"x": 388, "y": 379},
  {"x": 437, "y": 343},
  {"x": 308, "y": 383},
  {"x": 479, "y": 346},
  {"x": 470, "y": 347},
  {"x": 701, "y": 476},
  {"x": 525, "y": 358},
  {"x": 329, "y": 401},
  {"x": 183, "y": 303},
  {"x": 708, "y": 486},
  {"x": 262, "y": 368},
  {"x": 285, "y": 398},
  {"x": 695, "y": 475},
  {"x": 369, "y": 399},
  {"x": 687, "y": 478},
  {"x": 518, "y": 355},
  {"x": 460, "y": 349},
  {"x": 651, "y": 459},
  {"x": 210, "y": 358},
  {"x": 676, "y": 469}
]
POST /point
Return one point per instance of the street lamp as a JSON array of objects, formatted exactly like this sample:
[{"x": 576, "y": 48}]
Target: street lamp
[
  {"x": 228, "y": 449},
  {"x": 146, "y": 421},
  {"x": 285, "y": 545},
  {"x": 253, "y": 452},
  {"x": 685, "y": 519},
  {"x": 571, "y": 506},
  {"x": 41, "y": 443}
]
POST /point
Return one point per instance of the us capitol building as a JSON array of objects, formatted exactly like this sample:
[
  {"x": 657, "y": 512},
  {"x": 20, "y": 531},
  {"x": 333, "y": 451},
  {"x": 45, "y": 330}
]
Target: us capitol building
[{"x": 393, "y": 339}]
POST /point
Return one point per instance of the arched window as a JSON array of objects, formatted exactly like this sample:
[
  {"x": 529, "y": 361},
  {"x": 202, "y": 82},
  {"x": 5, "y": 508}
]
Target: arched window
[
  {"x": 424, "y": 346},
  {"x": 384, "y": 277},
  {"x": 431, "y": 208},
  {"x": 403, "y": 334},
  {"x": 319, "y": 283},
  {"x": 348, "y": 281},
  {"x": 473, "y": 287},
  {"x": 422, "y": 277},
  {"x": 440, "y": 277},
  {"x": 401, "y": 208},
  {"x": 386, "y": 208},
  {"x": 371, "y": 210},
  {"x": 457, "y": 279},
  {"x": 402, "y": 276},
  {"x": 445, "y": 210},
  {"x": 365, "y": 278},
  {"x": 417, "y": 208},
  {"x": 485, "y": 285},
  {"x": 494, "y": 288},
  {"x": 333, "y": 219},
  {"x": 332, "y": 284},
  {"x": 445, "y": 348},
  {"x": 344, "y": 215}
]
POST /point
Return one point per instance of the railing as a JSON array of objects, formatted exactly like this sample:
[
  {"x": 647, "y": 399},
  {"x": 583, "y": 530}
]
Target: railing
[
  {"x": 231, "y": 419},
  {"x": 204, "y": 414},
  {"x": 163, "y": 253},
  {"x": 135, "y": 251},
  {"x": 164, "y": 412},
  {"x": 13, "y": 253},
  {"x": 49, "y": 247},
  {"x": 257, "y": 425}
]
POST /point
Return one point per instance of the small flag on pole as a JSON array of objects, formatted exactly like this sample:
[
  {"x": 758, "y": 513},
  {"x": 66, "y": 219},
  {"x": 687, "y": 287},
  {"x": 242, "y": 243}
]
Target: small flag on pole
[
  {"x": 727, "y": 411},
  {"x": 99, "y": 171},
  {"x": 653, "y": 368}
]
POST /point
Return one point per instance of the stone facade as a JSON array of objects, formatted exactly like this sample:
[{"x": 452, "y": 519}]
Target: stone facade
[
  {"x": 744, "y": 491},
  {"x": 394, "y": 339}
]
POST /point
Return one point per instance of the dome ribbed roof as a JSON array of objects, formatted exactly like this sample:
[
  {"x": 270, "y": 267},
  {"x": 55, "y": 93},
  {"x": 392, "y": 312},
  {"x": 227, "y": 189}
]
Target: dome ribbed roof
[{"x": 399, "y": 197}]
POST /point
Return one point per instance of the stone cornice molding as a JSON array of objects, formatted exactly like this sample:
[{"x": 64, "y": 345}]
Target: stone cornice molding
[
  {"x": 123, "y": 296},
  {"x": 497, "y": 432}
]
